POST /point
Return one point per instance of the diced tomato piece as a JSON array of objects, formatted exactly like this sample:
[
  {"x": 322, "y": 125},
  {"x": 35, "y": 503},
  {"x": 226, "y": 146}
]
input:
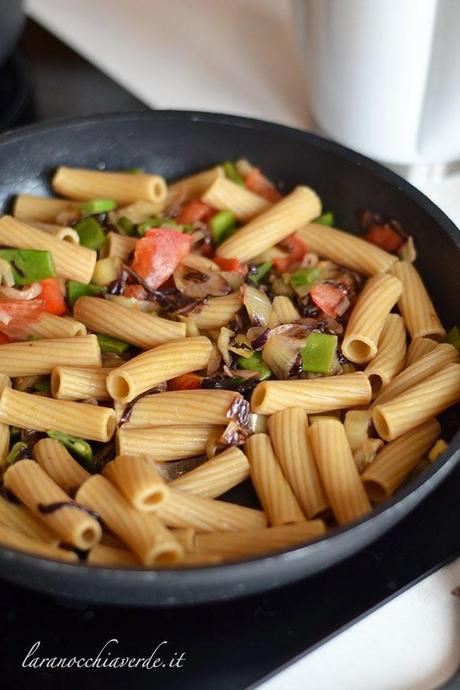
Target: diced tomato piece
[
  {"x": 297, "y": 250},
  {"x": 51, "y": 294},
  {"x": 327, "y": 297},
  {"x": 136, "y": 291},
  {"x": 4, "y": 339},
  {"x": 230, "y": 265},
  {"x": 186, "y": 382},
  {"x": 157, "y": 255},
  {"x": 262, "y": 186},
  {"x": 16, "y": 315},
  {"x": 193, "y": 211},
  {"x": 384, "y": 237}
]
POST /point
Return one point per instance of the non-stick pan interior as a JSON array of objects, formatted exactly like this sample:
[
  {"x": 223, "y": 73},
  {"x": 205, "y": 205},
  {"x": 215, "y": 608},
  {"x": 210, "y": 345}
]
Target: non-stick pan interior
[{"x": 174, "y": 144}]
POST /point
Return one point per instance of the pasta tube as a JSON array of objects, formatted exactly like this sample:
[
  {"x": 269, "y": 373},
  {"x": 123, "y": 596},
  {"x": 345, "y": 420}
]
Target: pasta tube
[
  {"x": 285, "y": 310},
  {"x": 134, "y": 327},
  {"x": 394, "y": 462},
  {"x": 43, "y": 209},
  {"x": 216, "y": 476},
  {"x": 13, "y": 539},
  {"x": 346, "y": 249},
  {"x": 415, "y": 304},
  {"x": 192, "y": 407},
  {"x": 111, "y": 557},
  {"x": 19, "y": 518},
  {"x": 29, "y": 411},
  {"x": 418, "y": 348},
  {"x": 288, "y": 433},
  {"x": 424, "y": 367},
  {"x": 418, "y": 404},
  {"x": 186, "y": 536},
  {"x": 192, "y": 186},
  {"x": 118, "y": 245},
  {"x": 356, "y": 425},
  {"x": 51, "y": 326},
  {"x": 253, "y": 542},
  {"x": 208, "y": 515},
  {"x": 368, "y": 317},
  {"x": 28, "y": 482},
  {"x": 70, "y": 383},
  {"x": 42, "y": 356},
  {"x": 4, "y": 444},
  {"x": 272, "y": 488},
  {"x": 82, "y": 184},
  {"x": 58, "y": 464},
  {"x": 138, "y": 481},
  {"x": 313, "y": 395},
  {"x": 217, "y": 312},
  {"x": 60, "y": 232},
  {"x": 338, "y": 471},
  {"x": 150, "y": 540},
  {"x": 71, "y": 261},
  {"x": 164, "y": 443},
  {"x": 390, "y": 355},
  {"x": 274, "y": 225},
  {"x": 160, "y": 364},
  {"x": 225, "y": 195}
]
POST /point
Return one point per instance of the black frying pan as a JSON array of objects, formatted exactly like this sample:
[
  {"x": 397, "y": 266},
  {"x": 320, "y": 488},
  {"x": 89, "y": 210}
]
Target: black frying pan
[{"x": 177, "y": 143}]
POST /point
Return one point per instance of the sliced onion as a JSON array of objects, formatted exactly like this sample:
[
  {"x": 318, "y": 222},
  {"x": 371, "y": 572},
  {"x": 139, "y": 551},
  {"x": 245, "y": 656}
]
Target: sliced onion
[
  {"x": 214, "y": 361},
  {"x": 173, "y": 469},
  {"x": 258, "y": 423},
  {"x": 234, "y": 434},
  {"x": 198, "y": 277},
  {"x": 331, "y": 325},
  {"x": 241, "y": 346},
  {"x": 4, "y": 317},
  {"x": 137, "y": 212},
  {"x": 257, "y": 305},
  {"x": 30, "y": 292},
  {"x": 233, "y": 278},
  {"x": 282, "y": 349},
  {"x": 6, "y": 273},
  {"x": 342, "y": 306},
  {"x": 241, "y": 373},
  {"x": 408, "y": 251},
  {"x": 243, "y": 167},
  {"x": 365, "y": 454},
  {"x": 223, "y": 342},
  {"x": 310, "y": 260},
  {"x": 133, "y": 303},
  {"x": 258, "y": 336}
]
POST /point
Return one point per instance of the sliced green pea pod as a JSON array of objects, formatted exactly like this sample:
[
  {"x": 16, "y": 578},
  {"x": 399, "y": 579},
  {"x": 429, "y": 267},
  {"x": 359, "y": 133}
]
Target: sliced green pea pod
[
  {"x": 319, "y": 353},
  {"x": 78, "y": 447},
  {"x": 453, "y": 337},
  {"x": 255, "y": 363},
  {"x": 91, "y": 233},
  {"x": 29, "y": 265},
  {"x": 108, "y": 344},
  {"x": 325, "y": 219},
  {"x": 232, "y": 173},
  {"x": 222, "y": 225},
  {"x": 75, "y": 290},
  {"x": 94, "y": 206},
  {"x": 19, "y": 450}
]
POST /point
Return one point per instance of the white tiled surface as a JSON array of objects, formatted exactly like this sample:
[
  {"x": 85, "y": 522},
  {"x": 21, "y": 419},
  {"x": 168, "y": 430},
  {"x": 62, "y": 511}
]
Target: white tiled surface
[{"x": 239, "y": 57}]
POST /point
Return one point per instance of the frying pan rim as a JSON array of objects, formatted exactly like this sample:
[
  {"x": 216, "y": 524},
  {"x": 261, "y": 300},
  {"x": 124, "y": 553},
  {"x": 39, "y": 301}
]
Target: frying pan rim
[{"x": 412, "y": 494}]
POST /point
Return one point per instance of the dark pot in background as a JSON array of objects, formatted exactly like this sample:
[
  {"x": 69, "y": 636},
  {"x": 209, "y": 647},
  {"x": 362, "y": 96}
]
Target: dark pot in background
[{"x": 11, "y": 23}]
